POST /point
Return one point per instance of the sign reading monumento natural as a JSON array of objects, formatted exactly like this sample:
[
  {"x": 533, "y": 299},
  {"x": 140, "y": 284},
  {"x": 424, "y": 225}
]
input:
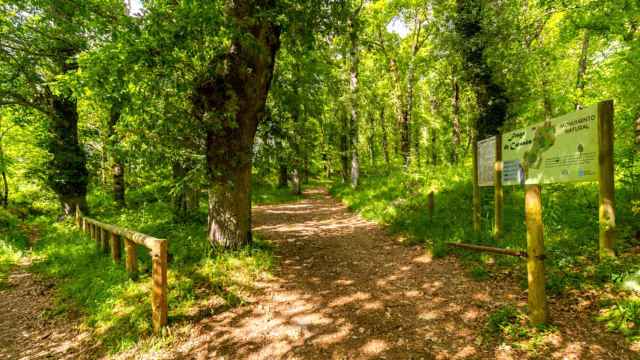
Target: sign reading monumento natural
[{"x": 564, "y": 149}]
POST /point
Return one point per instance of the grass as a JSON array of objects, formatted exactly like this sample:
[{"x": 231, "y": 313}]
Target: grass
[
  {"x": 398, "y": 199},
  {"x": 13, "y": 243},
  {"x": 116, "y": 309}
]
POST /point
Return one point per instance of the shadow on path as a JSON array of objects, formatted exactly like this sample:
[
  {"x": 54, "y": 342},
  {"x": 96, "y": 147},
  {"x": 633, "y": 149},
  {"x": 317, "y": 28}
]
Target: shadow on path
[{"x": 346, "y": 290}]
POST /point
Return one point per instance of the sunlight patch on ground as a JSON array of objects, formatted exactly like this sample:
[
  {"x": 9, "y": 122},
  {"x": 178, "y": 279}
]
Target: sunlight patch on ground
[
  {"x": 334, "y": 337},
  {"x": 374, "y": 347}
]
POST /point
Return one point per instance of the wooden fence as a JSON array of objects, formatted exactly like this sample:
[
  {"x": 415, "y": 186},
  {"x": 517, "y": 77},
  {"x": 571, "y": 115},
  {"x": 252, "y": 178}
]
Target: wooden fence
[{"x": 108, "y": 239}]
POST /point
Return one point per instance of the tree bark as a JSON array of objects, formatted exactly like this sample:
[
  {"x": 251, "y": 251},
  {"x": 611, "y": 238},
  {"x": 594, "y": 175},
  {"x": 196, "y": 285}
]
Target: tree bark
[
  {"x": 402, "y": 115},
  {"x": 295, "y": 182},
  {"x": 455, "y": 136},
  {"x": 372, "y": 139},
  {"x": 305, "y": 170},
  {"x": 353, "y": 100},
  {"x": 344, "y": 151},
  {"x": 5, "y": 190},
  {"x": 433, "y": 134},
  {"x": 117, "y": 166},
  {"x": 582, "y": 69},
  {"x": 67, "y": 171},
  {"x": 230, "y": 101},
  {"x": 283, "y": 178},
  {"x": 4, "y": 199},
  {"x": 434, "y": 147},
  {"x": 385, "y": 142},
  {"x": 491, "y": 97},
  {"x": 410, "y": 84}
]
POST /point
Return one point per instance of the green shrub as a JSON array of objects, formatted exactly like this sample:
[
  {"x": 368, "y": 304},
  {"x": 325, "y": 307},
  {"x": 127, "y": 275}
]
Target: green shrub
[
  {"x": 623, "y": 317},
  {"x": 7, "y": 219}
]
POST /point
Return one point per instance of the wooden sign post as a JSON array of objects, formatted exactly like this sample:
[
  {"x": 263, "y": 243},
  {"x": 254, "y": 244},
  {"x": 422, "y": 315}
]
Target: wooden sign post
[
  {"x": 476, "y": 186},
  {"x": 498, "y": 194},
  {"x": 537, "y": 299},
  {"x": 574, "y": 147},
  {"x": 607, "y": 215}
]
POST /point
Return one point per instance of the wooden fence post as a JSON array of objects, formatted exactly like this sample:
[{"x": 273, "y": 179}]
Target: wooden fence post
[
  {"x": 538, "y": 313},
  {"x": 476, "y": 186},
  {"x": 115, "y": 247},
  {"x": 77, "y": 216},
  {"x": 105, "y": 240},
  {"x": 131, "y": 259},
  {"x": 159, "y": 290},
  {"x": 606, "y": 213},
  {"x": 498, "y": 193}
]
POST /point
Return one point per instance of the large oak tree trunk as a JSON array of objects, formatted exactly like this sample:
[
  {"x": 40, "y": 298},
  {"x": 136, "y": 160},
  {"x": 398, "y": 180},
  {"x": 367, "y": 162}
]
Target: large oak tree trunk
[
  {"x": 67, "y": 171},
  {"x": 491, "y": 97},
  {"x": 230, "y": 208},
  {"x": 230, "y": 100}
]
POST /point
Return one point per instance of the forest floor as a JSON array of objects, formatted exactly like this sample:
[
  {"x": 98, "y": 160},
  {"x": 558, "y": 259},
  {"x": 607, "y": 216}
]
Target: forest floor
[
  {"x": 28, "y": 328},
  {"x": 342, "y": 289}
]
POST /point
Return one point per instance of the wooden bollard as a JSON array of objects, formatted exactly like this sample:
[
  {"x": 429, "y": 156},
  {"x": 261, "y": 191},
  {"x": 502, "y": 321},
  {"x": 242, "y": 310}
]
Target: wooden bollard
[
  {"x": 159, "y": 290},
  {"x": 115, "y": 247},
  {"x": 538, "y": 313},
  {"x": 105, "y": 240},
  {"x": 96, "y": 236},
  {"x": 131, "y": 259},
  {"x": 606, "y": 213}
]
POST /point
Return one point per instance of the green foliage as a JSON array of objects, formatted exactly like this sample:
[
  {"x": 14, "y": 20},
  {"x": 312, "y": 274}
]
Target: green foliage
[
  {"x": 502, "y": 322},
  {"x": 623, "y": 317},
  {"x": 479, "y": 273},
  {"x": 508, "y": 324},
  {"x": 13, "y": 243}
]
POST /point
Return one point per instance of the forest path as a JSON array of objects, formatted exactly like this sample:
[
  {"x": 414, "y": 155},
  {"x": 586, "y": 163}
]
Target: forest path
[
  {"x": 26, "y": 331},
  {"x": 344, "y": 289}
]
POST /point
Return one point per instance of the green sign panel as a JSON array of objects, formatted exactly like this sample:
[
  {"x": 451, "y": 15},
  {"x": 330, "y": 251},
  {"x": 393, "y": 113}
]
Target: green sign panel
[{"x": 564, "y": 149}]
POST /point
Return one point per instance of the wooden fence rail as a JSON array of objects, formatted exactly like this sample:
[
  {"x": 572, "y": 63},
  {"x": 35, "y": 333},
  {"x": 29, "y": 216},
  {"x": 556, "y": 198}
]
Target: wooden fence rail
[{"x": 108, "y": 239}]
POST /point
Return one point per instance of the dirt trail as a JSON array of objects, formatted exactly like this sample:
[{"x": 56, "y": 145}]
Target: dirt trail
[
  {"x": 346, "y": 290},
  {"x": 26, "y": 332}
]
